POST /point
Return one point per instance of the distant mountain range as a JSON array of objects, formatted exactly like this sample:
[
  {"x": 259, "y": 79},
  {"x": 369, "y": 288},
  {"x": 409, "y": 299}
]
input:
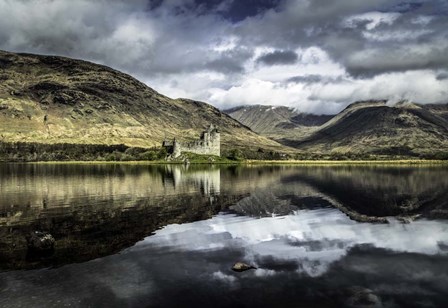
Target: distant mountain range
[
  {"x": 49, "y": 99},
  {"x": 277, "y": 122},
  {"x": 367, "y": 128}
]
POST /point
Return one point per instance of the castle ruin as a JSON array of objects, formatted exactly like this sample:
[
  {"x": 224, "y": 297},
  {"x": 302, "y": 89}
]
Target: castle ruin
[{"x": 208, "y": 144}]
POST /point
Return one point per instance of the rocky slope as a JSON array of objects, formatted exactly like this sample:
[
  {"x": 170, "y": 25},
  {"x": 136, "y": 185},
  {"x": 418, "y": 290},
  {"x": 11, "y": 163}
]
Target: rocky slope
[
  {"x": 405, "y": 129},
  {"x": 277, "y": 122},
  {"x": 363, "y": 128},
  {"x": 49, "y": 99},
  {"x": 440, "y": 110}
]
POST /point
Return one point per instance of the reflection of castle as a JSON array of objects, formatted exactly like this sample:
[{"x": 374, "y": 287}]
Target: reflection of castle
[
  {"x": 208, "y": 144},
  {"x": 207, "y": 181}
]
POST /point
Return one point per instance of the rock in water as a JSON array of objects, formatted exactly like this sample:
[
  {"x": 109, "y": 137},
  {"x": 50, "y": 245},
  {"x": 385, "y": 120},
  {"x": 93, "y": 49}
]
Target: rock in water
[
  {"x": 362, "y": 297},
  {"x": 41, "y": 241},
  {"x": 241, "y": 267}
]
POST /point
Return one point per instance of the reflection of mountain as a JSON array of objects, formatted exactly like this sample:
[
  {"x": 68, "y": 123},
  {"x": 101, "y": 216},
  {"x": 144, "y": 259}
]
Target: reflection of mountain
[
  {"x": 382, "y": 191},
  {"x": 97, "y": 210},
  {"x": 263, "y": 203},
  {"x": 363, "y": 193}
]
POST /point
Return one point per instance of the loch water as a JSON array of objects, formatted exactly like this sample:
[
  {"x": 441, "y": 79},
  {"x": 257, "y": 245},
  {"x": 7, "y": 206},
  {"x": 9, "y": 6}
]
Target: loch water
[{"x": 130, "y": 235}]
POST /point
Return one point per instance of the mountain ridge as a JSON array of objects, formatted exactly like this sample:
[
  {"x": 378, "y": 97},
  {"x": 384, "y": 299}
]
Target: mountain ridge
[
  {"x": 368, "y": 128},
  {"x": 52, "y": 99},
  {"x": 379, "y": 129},
  {"x": 58, "y": 100},
  {"x": 277, "y": 122}
]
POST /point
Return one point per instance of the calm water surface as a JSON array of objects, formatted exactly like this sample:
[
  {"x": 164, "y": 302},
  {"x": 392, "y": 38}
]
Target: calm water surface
[{"x": 167, "y": 236}]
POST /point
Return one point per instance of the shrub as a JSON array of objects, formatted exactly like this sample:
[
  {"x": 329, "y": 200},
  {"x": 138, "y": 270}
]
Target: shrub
[{"x": 236, "y": 154}]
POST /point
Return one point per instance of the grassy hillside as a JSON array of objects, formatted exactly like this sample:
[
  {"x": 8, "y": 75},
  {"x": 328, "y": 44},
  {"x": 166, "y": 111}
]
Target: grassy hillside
[
  {"x": 48, "y": 99},
  {"x": 374, "y": 128}
]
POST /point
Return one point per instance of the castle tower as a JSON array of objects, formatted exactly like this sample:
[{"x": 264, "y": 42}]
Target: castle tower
[
  {"x": 208, "y": 144},
  {"x": 214, "y": 140},
  {"x": 176, "y": 148}
]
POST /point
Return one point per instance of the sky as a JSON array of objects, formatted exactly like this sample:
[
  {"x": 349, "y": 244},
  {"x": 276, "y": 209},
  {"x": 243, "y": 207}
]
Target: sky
[{"x": 317, "y": 56}]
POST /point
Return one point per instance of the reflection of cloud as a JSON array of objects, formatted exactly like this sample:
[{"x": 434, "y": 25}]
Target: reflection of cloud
[
  {"x": 223, "y": 277},
  {"x": 307, "y": 242},
  {"x": 264, "y": 273},
  {"x": 189, "y": 265}
]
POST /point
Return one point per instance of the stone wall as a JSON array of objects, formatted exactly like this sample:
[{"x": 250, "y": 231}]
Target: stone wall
[{"x": 208, "y": 144}]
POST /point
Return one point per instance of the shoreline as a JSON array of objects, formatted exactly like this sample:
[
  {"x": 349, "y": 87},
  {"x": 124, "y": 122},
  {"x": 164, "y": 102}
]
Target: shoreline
[
  {"x": 351, "y": 162},
  {"x": 252, "y": 162}
]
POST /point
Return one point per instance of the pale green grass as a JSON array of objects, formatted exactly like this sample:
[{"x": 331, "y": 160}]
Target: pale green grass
[
  {"x": 261, "y": 162},
  {"x": 348, "y": 162},
  {"x": 131, "y": 162}
]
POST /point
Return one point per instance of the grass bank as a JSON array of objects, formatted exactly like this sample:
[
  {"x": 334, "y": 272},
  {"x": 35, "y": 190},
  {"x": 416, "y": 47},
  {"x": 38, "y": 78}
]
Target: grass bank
[
  {"x": 348, "y": 162},
  {"x": 261, "y": 162}
]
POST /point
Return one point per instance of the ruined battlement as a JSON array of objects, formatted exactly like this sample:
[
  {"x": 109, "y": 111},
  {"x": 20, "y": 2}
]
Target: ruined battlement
[{"x": 209, "y": 143}]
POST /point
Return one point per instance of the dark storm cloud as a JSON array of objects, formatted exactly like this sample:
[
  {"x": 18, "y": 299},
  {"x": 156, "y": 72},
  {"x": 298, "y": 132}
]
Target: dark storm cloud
[
  {"x": 230, "y": 61},
  {"x": 433, "y": 7},
  {"x": 413, "y": 41},
  {"x": 173, "y": 36},
  {"x": 232, "y": 10},
  {"x": 442, "y": 76},
  {"x": 409, "y": 42},
  {"x": 278, "y": 57},
  {"x": 237, "y": 10},
  {"x": 159, "y": 41},
  {"x": 169, "y": 37},
  {"x": 399, "y": 44},
  {"x": 403, "y": 7},
  {"x": 225, "y": 65},
  {"x": 312, "y": 78},
  {"x": 305, "y": 79},
  {"x": 395, "y": 60}
]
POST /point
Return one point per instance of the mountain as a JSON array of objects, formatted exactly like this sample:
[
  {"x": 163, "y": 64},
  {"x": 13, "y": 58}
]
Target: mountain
[
  {"x": 373, "y": 127},
  {"x": 363, "y": 128},
  {"x": 53, "y": 100},
  {"x": 277, "y": 122},
  {"x": 441, "y": 110}
]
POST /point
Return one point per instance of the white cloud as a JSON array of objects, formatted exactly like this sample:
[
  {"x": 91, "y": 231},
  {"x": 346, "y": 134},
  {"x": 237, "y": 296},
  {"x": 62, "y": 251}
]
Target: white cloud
[
  {"x": 225, "y": 44},
  {"x": 396, "y": 36},
  {"x": 183, "y": 50},
  {"x": 416, "y": 86}
]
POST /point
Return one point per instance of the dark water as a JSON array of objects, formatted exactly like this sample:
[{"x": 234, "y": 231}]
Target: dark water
[{"x": 167, "y": 236}]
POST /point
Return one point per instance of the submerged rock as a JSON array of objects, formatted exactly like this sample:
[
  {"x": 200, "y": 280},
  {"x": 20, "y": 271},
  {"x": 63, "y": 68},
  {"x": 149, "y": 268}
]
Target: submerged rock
[
  {"x": 40, "y": 241},
  {"x": 241, "y": 267},
  {"x": 407, "y": 219},
  {"x": 362, "y": 297}
]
